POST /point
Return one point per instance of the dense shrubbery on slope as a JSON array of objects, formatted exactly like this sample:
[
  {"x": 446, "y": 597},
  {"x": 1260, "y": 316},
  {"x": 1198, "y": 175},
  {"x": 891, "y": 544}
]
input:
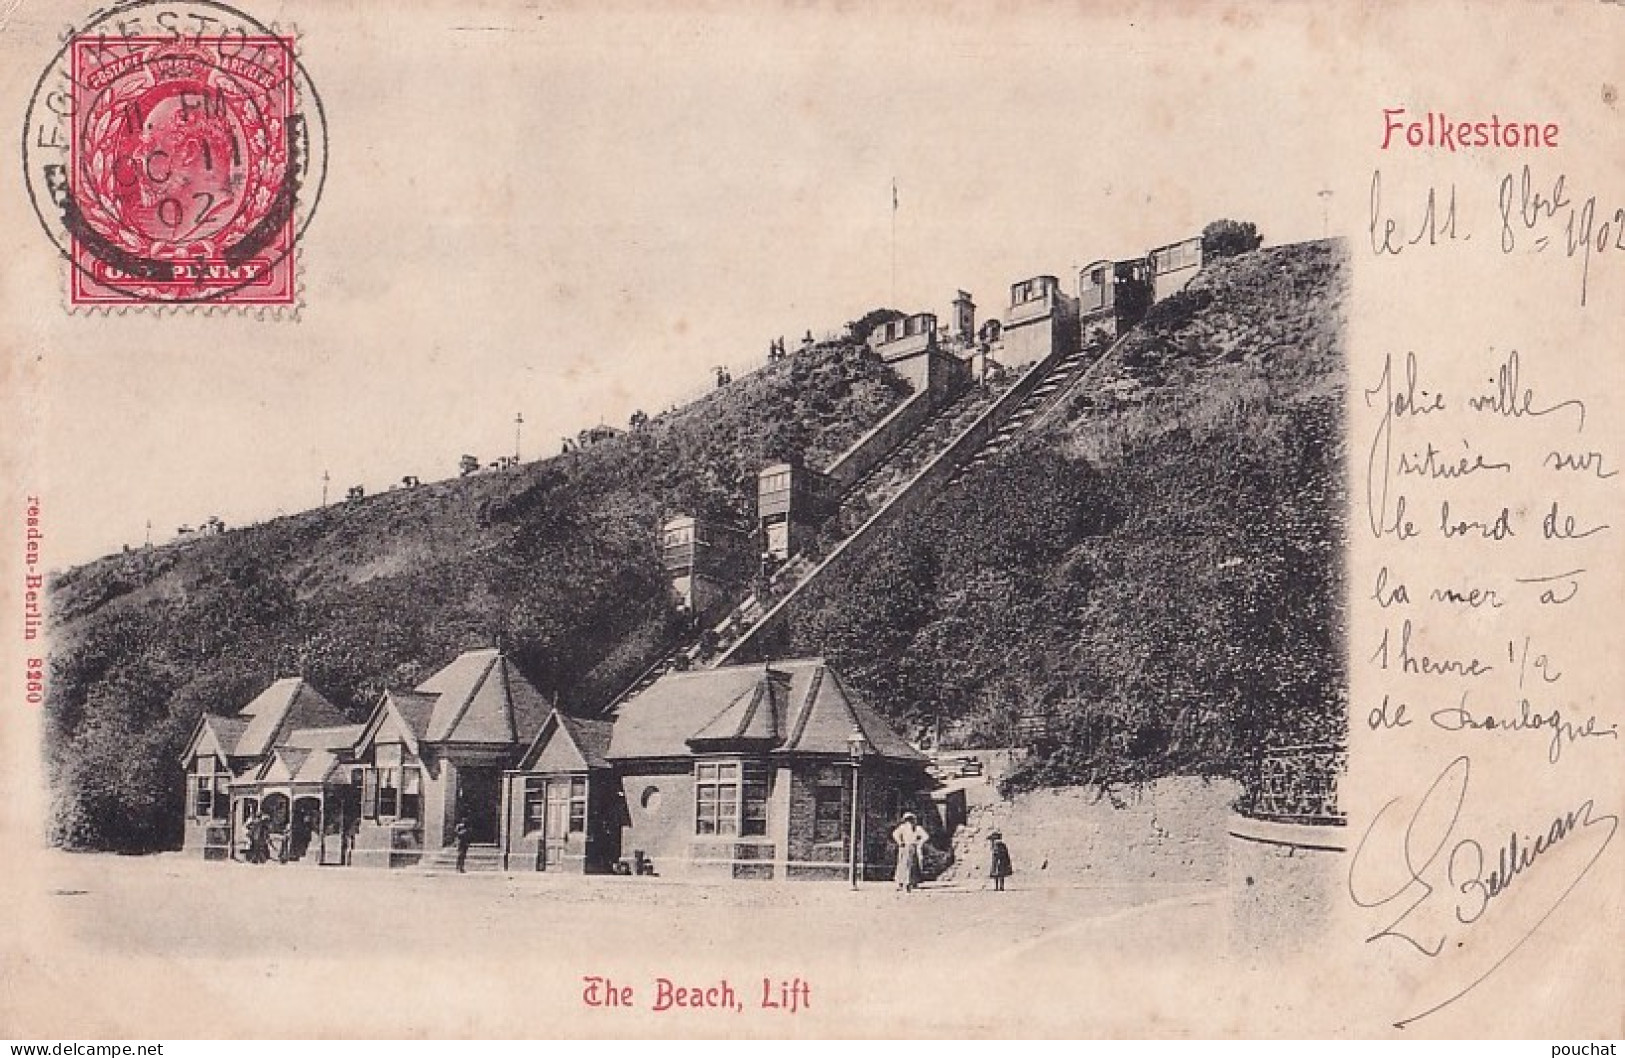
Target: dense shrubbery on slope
[
  {"x": 1160, "y": 576},
  {"x": 558, "y": 559}
]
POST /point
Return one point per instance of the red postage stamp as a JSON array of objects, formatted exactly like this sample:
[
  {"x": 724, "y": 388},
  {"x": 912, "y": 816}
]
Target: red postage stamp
[{"x": 176, "y": 161}]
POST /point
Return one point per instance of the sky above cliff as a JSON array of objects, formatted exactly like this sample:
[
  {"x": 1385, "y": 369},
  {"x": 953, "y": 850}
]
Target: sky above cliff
[{"x": 575, "y": 215}]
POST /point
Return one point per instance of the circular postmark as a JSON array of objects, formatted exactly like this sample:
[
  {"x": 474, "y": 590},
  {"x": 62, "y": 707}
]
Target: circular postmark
[{"x": 175, "y": 154}]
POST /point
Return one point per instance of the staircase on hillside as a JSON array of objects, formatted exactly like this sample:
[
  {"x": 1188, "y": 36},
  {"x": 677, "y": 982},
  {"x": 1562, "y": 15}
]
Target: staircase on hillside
[
  {"x": 1060, "y": 399},
  {"x": 872, "y": 491},
  {"x": 965, "y": 433},
  {"x": 869, "y": 492},
  {"x": 1048, "y": 393},
  {"x": 989, "y": 425}
]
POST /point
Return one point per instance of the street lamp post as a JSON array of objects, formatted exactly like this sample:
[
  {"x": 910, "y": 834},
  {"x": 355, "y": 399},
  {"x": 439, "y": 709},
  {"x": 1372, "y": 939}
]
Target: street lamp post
[{"x": 857, "y": 745}]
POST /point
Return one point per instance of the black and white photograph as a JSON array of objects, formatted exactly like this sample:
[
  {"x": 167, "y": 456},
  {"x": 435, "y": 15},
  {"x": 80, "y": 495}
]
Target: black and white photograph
[{"x": 554, "y": 520}]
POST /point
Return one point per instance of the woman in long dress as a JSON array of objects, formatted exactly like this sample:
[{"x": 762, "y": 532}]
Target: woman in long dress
[{"x": 908, "y": 837}]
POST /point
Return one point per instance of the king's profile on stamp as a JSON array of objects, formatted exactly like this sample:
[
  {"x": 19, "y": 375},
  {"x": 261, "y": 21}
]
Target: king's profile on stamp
[{"x": 170, "y": 154}]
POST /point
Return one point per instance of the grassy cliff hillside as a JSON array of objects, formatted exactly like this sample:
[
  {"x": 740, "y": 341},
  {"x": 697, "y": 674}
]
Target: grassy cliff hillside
[
  {"x": 557, "y": 558},
  {"x": 1150, "y": 585},
  {"x": 1156, "y": 578}
]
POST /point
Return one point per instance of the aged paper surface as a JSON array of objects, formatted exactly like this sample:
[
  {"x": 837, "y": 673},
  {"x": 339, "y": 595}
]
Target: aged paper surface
[{"x": 575, "y": 211}]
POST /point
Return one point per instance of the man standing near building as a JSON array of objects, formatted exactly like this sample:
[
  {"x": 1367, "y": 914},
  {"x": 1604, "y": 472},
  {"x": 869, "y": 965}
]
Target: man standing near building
[{"x": 465, "y": 837}]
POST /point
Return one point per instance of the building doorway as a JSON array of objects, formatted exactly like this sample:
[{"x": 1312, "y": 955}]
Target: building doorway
[
  {"x": 306, "y": 823},
  {"x": 275, "y": 808},
  {"x": 564, "y": 813},
  {"x": 479, "y": 802}
]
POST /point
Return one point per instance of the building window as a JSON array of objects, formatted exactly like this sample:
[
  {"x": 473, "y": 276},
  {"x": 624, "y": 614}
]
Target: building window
[
  {"x": 716, "y": 798},
  {"x": 753, "y": 806},
  {"x": 388, "y": 793},
  {"x": 578, "y": 805},
  {"x": 730, "y": 800},
  {"x": 535, "y": 804},
  {"x": 211, "y": 791},
  {"x": 559, "y": 805},
  {"x": 411, "y": 793},
  {"x": 203, "y": 797},
  {"x": 828, "y": 807}
]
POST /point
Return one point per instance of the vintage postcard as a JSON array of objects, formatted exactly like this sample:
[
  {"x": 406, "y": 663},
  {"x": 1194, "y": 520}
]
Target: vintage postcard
[{"x": 533, "y": 519}]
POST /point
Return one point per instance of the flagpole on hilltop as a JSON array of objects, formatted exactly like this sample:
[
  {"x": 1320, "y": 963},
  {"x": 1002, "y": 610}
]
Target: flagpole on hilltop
[{"x": 893, "y": 242}]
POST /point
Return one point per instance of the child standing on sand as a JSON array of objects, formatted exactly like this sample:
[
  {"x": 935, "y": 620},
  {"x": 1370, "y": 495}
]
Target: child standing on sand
[{"x": 1000, "y": 868}]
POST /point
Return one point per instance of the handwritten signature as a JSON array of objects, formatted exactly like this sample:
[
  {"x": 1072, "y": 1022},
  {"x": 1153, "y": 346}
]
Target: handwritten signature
[{"x": 1446, "y": 884}]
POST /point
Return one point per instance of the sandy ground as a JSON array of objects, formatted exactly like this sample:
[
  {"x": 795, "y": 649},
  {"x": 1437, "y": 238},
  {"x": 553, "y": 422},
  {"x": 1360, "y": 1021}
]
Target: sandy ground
[{"x": 164, "y": 946}]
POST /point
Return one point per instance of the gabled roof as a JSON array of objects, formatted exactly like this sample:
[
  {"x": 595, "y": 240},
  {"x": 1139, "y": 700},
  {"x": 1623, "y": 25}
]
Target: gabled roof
[
  {"x": 213, "y": 734},
  {"x": 659, "y": 721},
  {"x": 288, "y": 703},
  {"x": 483, "y": 699},
  {"x": 825, "y": 722},
  {"x": 796, "y": 706},
  {"x": 478, "y": 699},
  {"x": 295, "y": 764},
  {"x": 341, "y": 738},
  {"x": 281, "y": 765},
  {"x": 317, "y": 765},
  {"x": 584, "y": 742},
  {"x": 591, "y": 738},
  {"x": 759, "y": 715},
  {"x": 406, "y": 711},
  {"x": 308, "y": 754}
]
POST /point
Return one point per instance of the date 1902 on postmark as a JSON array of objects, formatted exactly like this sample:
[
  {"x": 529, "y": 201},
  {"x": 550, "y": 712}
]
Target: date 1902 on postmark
[{"x": 175, "y": 154}]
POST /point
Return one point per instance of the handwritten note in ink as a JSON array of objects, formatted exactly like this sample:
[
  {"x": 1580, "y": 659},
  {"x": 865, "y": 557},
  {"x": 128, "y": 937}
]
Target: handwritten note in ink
[{"x": 1485, "y": 665}]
